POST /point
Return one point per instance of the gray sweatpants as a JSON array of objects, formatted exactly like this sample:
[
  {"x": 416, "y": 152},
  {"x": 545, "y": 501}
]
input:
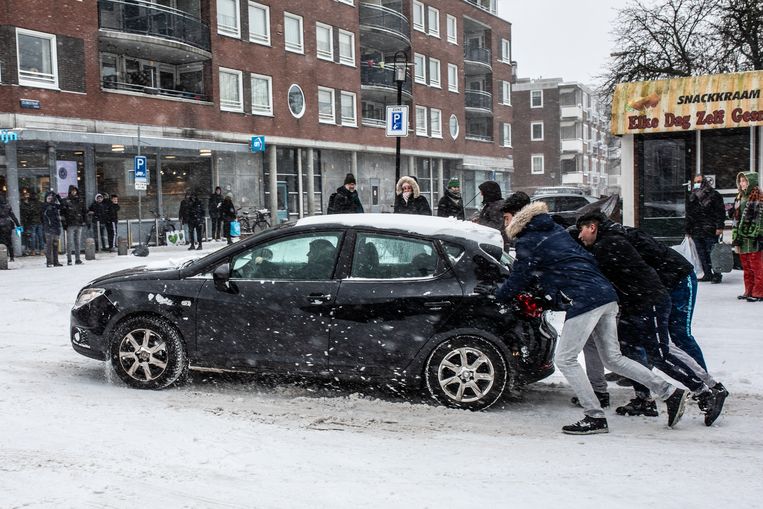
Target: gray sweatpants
[
  {"x": 73, "y": 243},
  {"x": 601, "y": 325}
]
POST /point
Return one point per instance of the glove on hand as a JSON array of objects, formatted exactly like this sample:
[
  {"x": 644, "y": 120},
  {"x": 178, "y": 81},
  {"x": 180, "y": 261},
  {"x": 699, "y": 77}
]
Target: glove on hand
[{"x": 485, "y": 289}]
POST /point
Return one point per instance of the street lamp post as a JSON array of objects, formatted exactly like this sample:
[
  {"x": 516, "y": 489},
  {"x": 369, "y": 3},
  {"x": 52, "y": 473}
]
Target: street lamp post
[{"x": 401, "y": 65}]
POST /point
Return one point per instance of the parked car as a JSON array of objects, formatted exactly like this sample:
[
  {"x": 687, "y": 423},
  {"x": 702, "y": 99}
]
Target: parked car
[
  {"x": 563, "y": 202},
  {"x": 357, "y": 296}
]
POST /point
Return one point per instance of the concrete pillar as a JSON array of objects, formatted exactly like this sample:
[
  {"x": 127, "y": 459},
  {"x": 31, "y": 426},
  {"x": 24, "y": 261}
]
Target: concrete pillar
[
  {"x": 440, "y": 178},
  {"x": 52, "y": 168},
  {"x": 628, "y": 180},
  {"x": 13, "y": 196},
  {"x": 158, "y": 183},
  {"x": 354, "y": 164},
  {"x": 90, "y": 174},
  {"x": 411, "y": 171},
  {"x": 300, "y": 186},
  {"x": 273, "y": 182},
  {"x": 310, "y": 183}
]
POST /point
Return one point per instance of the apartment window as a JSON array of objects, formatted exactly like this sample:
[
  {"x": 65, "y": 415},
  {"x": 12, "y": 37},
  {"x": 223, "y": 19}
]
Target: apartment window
[
  {"x": 326, "y": 114},
  {"x": 452, "y": 27},
  {"x": 231, "y": 90},
  {"x": 434, "y": 21},
  {"x": 346, "y": 48},
  {"x": 536, "y": 98},
  {"x": 506, "y": 131},
  {"x": 420, "y": 73},
  {"x": 537, "y": 164},
  {"x": 296, "y": 99},
  {"x": 435, "y": 123},
  {"x": 38, "y": 63},
  {"x": 453, "y": 77},
  {"x": 536, "y": 131},
  {"x": 324, "y": 41},
  {"x": 293, "y": 33},
  {"x": 453, "y": 124},
  {"x": 262, "y": 95},
  {"x": 349, "y": 114},
  {"x": 506, "y": 93},
  {"x": 434, "y": 72},
  {"x": 228, "y": 22},
  {"x": 418, "y": 16},
  {"x": 348, "y": 2},
  {"x": 505, "y": 51},
  {"x": 259, "y": 23},
  {"x": 421, "y": 121}
]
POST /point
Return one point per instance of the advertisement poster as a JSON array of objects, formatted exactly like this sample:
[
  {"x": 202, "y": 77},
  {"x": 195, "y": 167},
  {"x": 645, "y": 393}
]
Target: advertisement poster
[
  {"x": 66, "y": 174},
  {"x": 695, "y": 103}
]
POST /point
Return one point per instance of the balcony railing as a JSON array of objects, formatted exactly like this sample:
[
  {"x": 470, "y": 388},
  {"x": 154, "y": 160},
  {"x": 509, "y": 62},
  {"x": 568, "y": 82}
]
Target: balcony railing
[
  {"x": 378, "y": 16},
  {"x": 477, "y": 54},
  {"x": 479, "y": 99},
  {"x": 482, "y": 4},
  {"x": 145, "y": 18},
  {"x": 478, "y": 137},
  {"x": 383, "y": 78},
  {"x": 111, "y": 84}
]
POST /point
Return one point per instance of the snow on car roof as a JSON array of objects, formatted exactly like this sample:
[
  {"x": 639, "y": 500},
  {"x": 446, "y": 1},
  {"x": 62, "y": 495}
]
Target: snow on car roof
[{"x": 423, "y": 225}]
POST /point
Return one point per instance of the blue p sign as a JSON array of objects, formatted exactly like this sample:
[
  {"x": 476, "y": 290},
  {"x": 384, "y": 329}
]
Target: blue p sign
[
  {"x": 140, "y": 166},
  {"x": 397, "y": 121}
]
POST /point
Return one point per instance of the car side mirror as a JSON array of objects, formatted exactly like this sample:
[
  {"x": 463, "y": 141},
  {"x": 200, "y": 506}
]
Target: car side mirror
[{"x": 221, "y": 277}]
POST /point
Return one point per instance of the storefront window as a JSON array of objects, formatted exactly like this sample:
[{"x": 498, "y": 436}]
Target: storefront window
[
  {"x": 725, "y": 152},
  {"x": 33, "y": 170}
]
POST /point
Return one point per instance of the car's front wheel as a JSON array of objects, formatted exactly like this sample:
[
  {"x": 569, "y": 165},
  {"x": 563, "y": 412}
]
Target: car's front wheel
[
  {"x": 466, "y": 372},
  {"x": 148, "y": 353}
]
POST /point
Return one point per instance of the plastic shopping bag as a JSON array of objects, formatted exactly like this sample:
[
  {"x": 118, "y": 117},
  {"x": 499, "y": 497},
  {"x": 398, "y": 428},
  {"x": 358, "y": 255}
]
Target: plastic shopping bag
[
  {"x": 235, "y": 229},
  {"x": 722, "y": 257},
  {"x": 19, "y": 230},
  {"x": 689, "y": 251}
]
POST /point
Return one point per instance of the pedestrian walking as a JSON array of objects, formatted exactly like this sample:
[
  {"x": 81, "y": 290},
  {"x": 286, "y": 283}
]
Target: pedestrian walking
[
  {"x": 228, "y": 214},
  {"x": 747, "y": 234},
  {"x": 113, "y": 220},
  {"x": 99, "y": 220},
  {"x": 195, "y": 217},
  {"x": 215, "y": 202},
  {"x": 569, "y": 275},
  {"x": 8, "y": 223},
  {"x": 345, "y": 200},
  {"x": 705, "y": 216},
  {"x": 75, "y": 217},
  {"x": 408, "y": 198},
  {"x": 491, "y": 213},
  {"x": 51, "y": 227},
  {"x": 31, "y": 211},
  {"x": 451, "y": 204}
]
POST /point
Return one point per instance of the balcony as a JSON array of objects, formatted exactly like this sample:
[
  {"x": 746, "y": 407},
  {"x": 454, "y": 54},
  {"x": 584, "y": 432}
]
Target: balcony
[
  {"x": 111, "y": 84},
  {"x": 384, "y": 27},
  {"x": 476, "y": 56},
  {"x": 572, "y": 146},
  {"x": 478, "y": 101},
  {"x": 485, "y": 5},
  {"x": 572, "y": 112},
  {"x": 572, "y": 178},
  {"x": 382, "y": 81},
  {"x": 162, "y": 32}
]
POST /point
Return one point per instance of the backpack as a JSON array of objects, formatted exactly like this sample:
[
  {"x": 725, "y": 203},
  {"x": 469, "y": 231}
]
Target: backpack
[{"x": 331, "y": 208}]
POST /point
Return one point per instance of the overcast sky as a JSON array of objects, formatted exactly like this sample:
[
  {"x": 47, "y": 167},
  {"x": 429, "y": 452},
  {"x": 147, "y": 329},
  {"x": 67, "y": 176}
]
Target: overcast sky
[{"x": 567, "y": 39}]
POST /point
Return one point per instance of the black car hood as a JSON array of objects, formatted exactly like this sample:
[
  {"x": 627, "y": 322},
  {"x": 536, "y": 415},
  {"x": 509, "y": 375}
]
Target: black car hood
[{"x": 139, "y": 273}]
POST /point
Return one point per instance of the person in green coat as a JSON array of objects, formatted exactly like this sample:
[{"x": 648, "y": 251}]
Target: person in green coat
[{"x": 747, "y": 234}]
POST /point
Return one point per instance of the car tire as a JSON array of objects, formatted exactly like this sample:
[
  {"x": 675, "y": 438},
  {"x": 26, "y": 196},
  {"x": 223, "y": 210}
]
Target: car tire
[
  {"x": 147, "y": 352},
  {"x": 466, "y": 372}
]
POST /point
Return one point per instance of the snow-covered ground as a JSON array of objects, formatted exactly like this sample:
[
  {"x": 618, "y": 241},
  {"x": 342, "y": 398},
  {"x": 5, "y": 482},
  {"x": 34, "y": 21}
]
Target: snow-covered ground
[{"x": 72, "y": 435}]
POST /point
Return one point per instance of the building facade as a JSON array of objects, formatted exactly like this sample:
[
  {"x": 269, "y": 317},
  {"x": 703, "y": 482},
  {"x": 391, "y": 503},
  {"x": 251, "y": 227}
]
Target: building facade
[
  {"x": 560, "y": 136},
  {"x": 86, "y": 86}
]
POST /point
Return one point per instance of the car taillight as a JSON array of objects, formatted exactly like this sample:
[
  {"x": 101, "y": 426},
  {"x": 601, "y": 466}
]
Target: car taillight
[{"x": 529, "y": 305}]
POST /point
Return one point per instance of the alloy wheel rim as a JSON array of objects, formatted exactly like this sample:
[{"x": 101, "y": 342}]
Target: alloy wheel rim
[
  {"x": 143, "y": 355},
  {"x": 466, "y": 374}
]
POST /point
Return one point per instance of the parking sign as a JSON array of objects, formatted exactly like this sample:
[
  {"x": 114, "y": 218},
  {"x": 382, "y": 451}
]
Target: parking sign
[
  {"x": 397, "y": 120},
  {"x": 140, "y": 165}
]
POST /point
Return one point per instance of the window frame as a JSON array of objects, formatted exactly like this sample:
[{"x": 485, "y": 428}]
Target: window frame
[
  {"x": 378, "y": 239},
  {"x": 436, "y": 83},
  {"x": 265, "y": 39},
  {"x": 294, "y": 49},
  {"x": 420, "y": 78},
  {"x": 453, "y": 84},
  {"x": 451, "y": 37},
  {"x": 304, "y": 101},
  {"x": 240, "y": 76},
  {"x": 434, "y": 32},
  {"x": 506, "y": 134},
  {"x": 418, "y": 8},
  {"x": 532, "y": 131},
  {"x": 505, "y": 51},
  {"x": 435, "y": 113},
  {"x": 532, "y": 97},
  {"x": 450, "y": 126},
  {"x": 32, "y": 82},
  {"x": 343, "y": 58},
  {"x": 322, "y": 118},
  {"x": 506, "y": 92},
  {"x": 329, "y": 55},
  {"x": 226, "y": 31},
  {"x": 541, "y": 158},
  {"x": 343, "y": 94},
  {"x": 269, "y": 80},
  {"x": 422, "y": 115}
]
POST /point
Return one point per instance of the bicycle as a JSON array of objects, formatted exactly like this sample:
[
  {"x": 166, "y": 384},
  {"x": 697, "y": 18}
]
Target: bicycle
[
  {"x": 165, "y": 228},
  {"x": 260, "y": 218}
]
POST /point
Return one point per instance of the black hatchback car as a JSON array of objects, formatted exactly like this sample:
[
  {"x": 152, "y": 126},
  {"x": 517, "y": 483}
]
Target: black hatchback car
[{"x": 375, "y": 297}]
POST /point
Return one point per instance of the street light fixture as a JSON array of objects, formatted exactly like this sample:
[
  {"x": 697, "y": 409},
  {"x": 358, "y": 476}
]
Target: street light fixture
[{"x": 401, "y": 67}]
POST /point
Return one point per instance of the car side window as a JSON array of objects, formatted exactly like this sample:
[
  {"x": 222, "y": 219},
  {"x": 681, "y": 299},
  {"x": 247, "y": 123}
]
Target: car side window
[
  {"x": 302, "y": 257},
  {"x": 388, "y": 257}
]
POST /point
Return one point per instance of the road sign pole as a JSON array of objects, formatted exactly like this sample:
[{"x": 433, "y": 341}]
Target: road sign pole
[
  {"x": 140, "y": 208},
  {"x": 397, "y": 140}
]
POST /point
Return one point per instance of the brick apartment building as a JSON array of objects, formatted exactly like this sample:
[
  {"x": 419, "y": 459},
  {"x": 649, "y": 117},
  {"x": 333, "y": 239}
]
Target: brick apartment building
[
  {"x": 560, "y": 137},
  {"x": 79, "y": 80}
]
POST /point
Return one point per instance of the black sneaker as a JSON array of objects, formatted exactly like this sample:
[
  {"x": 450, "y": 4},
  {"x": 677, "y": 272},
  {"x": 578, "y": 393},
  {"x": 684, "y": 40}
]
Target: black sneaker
[
  {"x": 78, "y": 262},
  {"x": 69, "y": 262},
  {"x": 742, "y": 297},
  {"x": 676, "y": 404},
  {"x": 638, "y": 406},
  {"x": 715, "y": 404},
  {"x": 612, "y": 377},
  {"x": 587, "y": 426},
  {"x": 603, "y": 398},
  {"x": 192, "y": 247}
]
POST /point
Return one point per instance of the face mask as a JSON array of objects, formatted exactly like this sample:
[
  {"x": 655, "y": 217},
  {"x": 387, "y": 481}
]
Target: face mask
[{"x": 696, "y": 186}]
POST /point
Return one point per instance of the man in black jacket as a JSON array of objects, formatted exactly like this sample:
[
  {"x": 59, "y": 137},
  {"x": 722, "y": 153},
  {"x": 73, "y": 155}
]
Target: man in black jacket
[
  {"x": 705, "y": 215},
  {"x": 195, "y": 220},
  {"x": 99, "y": 212},
  {"x": 644, "y": 317},
  {"x": 345, "y": 200},
  {"x": 75, "y": 217}
]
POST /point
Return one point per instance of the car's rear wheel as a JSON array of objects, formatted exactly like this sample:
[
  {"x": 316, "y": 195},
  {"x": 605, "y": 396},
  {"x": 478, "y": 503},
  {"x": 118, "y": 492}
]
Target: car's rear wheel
[
  {"x": 466, "y": 372},
  {"x": 148, "y": 353}
]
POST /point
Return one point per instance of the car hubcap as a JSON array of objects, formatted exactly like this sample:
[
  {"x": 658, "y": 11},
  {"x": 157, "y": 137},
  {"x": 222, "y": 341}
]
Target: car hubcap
[
  {"x": 466, "y": 375},
  {"x": 143, "y": 354}
]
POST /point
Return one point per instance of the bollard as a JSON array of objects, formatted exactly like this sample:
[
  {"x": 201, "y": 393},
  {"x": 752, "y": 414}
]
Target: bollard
[
  {"x": 121, "y": 246},
  {"x": 3, "y": 257},
  {"x": 90, "y": 248}
]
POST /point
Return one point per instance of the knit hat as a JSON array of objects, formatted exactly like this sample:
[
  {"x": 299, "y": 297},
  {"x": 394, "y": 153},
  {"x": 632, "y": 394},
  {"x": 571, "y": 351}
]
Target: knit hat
[
  {"x": 349, "y": 179},
  {"x": 515, "y": 202},
  {"x": 454, "y": 182}
]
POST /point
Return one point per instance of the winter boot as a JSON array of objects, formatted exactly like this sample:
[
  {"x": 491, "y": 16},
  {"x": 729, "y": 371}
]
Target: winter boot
[
  {"x": 676, "y": 404},
  {"x": 603, "y": 398},
  {"x": 638, "y": 406},
  {"x": 711, "y": 402},
  {"x": 587, "y": 426}
]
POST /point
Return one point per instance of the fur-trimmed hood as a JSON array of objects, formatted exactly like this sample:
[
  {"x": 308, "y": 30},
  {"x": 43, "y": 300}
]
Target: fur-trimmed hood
[
  {"x": 412, "y": 182},
  {"x": 522, "y": 218}
]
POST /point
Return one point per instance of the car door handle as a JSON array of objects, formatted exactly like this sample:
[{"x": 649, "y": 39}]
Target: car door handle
[
  {"x": 318, "y": 298},
  {"x": 438, "y": 304}
]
